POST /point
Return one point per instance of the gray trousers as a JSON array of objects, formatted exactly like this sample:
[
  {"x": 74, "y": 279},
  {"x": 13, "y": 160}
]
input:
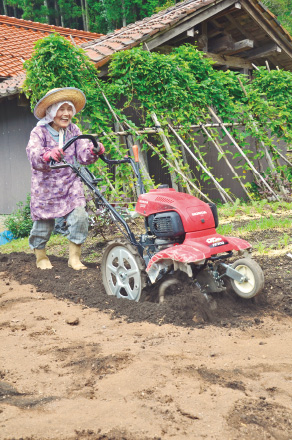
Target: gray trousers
[{"x": 73, "y": 225}]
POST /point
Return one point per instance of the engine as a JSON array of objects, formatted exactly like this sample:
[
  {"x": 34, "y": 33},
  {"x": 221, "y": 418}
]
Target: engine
[{"x": 169, "y": 215}]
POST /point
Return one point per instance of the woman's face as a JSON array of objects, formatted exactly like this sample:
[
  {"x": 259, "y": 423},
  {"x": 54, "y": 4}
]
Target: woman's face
[{"x": 63, "y": 117}]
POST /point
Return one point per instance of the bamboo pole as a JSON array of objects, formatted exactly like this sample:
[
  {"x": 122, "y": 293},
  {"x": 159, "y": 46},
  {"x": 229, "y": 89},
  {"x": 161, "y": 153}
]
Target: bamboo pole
[
  {"x": 272, "y": 146},
  {"x": 167, "y": 147},
  {"x": 144, "y": 168},
  {"x": 153, "y": 130},
  {"x": 219, "y": 148},
  {"x": 178, "y": 171},
  {"x": 256, "y": 173},
  {"x": 267, "y": 154},
  {"x": 221, "y": 190},
  {"x": 281, "y": 155},
  {"x": 185, "y": 178}
]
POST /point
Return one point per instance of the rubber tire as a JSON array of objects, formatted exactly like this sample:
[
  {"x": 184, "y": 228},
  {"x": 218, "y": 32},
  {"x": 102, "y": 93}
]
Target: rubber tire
[
  {"x": 247, "y": 265},
  {"x": 107, "y": 282}
]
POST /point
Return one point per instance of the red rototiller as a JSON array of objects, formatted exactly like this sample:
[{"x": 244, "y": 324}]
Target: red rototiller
[{"x": 180, "y": 235}]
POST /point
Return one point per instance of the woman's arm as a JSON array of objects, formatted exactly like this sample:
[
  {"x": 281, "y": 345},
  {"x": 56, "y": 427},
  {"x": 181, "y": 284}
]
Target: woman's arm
[
  {"x": 84, "y": 153},
  {"x": 36, "y": 149}
]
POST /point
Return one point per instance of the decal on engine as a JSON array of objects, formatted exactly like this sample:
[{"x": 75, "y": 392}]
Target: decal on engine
[{"x": 199, "y": 213}]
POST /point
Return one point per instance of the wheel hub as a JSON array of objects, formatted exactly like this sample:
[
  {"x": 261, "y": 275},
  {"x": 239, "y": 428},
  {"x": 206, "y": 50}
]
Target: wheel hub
[{"x": 122, "y": 275}]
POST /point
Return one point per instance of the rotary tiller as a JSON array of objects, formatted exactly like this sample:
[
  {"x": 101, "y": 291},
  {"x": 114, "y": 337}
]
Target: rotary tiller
[{"x": 180, "y": 235}]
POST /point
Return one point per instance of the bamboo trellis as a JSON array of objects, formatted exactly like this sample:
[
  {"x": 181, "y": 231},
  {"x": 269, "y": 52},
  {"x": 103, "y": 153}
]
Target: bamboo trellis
[{"x": 174, "y": 165}]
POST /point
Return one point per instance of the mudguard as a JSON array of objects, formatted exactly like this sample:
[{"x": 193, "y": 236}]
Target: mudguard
[{"x": 195, "y": 249}]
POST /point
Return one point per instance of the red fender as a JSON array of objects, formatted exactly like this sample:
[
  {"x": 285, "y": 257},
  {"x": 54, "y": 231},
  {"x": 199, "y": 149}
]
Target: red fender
[{"x": 195, "y": 249}]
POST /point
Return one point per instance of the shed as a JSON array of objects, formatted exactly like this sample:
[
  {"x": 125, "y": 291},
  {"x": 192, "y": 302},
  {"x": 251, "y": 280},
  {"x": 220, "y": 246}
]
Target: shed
[
  {"x": 17, "y": 39},
  {"x": 237, "y": 35}
]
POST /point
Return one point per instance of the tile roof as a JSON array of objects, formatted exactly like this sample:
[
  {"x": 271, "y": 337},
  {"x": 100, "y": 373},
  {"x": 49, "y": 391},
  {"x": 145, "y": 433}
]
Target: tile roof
[
  {"x": 17, "y": 39},
  {"x": 100, "y": 51},
  {"x": 132, "y": 35},
  {"x": 12, "y": 85}
]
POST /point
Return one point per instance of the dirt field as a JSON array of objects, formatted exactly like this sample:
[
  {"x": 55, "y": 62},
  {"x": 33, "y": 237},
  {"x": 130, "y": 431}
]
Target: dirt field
[{"x": 78, "y": 364}]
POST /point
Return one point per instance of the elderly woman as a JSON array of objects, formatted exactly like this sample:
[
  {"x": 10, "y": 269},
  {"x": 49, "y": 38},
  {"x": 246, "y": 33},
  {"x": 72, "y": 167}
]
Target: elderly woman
[{"x": 58, "y": 193}]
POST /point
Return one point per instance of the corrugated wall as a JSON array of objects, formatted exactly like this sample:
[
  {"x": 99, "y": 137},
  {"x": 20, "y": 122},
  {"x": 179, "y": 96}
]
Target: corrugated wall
[{"x": 16, "y": 124}]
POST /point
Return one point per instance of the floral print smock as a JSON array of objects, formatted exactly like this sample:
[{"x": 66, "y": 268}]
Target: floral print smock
[{"x": 56, "y": 192}]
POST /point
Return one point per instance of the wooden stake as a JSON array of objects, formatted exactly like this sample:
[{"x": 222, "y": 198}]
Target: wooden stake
[
  {"x": 257, "y": 174},
  {"x": 219, "y": 148},
  {"x": 267, "y": 154},
  {"x": 167, "y": 147},
  {"x": 221, "y": 190},
  {"x": 151, "y": 130}
]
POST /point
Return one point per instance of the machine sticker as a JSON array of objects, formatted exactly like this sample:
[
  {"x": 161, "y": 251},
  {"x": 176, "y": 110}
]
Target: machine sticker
[
  {"x": 220, "y": 243},
  {"x": 199, "y": 213},
  {"x": 216, "y": 241}
]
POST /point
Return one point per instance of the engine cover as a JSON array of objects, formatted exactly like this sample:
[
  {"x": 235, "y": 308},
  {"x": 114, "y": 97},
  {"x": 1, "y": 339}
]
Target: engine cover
[
  {"x": 166, "y": 224},
  {"x": 195, "y": 214}
]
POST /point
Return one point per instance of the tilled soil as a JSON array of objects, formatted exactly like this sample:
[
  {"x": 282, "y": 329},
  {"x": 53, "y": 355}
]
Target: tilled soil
[
  {"x": 78, "y": 364},
  {"x": 184, "y": 305}
]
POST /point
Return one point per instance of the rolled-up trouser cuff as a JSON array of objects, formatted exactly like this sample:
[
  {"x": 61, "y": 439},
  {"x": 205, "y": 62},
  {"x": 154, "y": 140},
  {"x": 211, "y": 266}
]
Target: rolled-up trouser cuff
[
  {"x": 73, "y": 225},
  {"x": 40, "y": 233}
]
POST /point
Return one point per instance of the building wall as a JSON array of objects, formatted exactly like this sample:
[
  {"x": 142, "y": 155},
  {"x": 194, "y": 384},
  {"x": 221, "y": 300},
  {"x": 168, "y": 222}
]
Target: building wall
[{"x": 16, "y": 123}]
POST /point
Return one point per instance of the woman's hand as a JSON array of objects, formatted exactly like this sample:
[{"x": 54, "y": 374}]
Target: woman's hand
[
  {"x": 55, "y": 154},
  {"x": 97, "y": 150}
]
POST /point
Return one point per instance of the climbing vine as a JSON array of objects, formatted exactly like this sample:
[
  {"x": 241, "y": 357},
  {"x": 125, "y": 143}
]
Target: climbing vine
[{"x": 176, "y": 94}]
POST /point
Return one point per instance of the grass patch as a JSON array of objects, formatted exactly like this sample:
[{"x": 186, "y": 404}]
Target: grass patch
[
  {"x": 56, "y": 242},
  {"x": 263, "y": 223},
  {"x": 258, "y": 207},
  {"x": 226, "y": 229}
]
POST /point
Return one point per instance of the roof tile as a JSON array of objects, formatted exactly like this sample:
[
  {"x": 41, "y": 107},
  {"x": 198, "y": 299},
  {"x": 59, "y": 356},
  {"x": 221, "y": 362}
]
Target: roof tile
[
  {"x": 11, "y": 86},
  {"x": 17, "y": 39}
]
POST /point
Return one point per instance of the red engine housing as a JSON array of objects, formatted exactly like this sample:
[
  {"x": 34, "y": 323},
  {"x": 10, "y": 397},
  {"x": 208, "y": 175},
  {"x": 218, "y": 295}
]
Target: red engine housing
[
  {"x": 195, "y": 214},
  {"x": 200, "y": 239}
]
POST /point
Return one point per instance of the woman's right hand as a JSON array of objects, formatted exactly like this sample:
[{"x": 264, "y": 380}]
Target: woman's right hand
[{"x": 55, "y": 154}]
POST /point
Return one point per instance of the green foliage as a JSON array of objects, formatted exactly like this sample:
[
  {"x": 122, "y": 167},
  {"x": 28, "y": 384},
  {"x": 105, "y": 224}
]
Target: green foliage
[
  {"x": 55, "y": 62},
  {"x": 19, "y": 222},
  {"x": 104, "y": 16},
  {"x": 281, "y": 8},
  {"x": 178, "y": 87}
]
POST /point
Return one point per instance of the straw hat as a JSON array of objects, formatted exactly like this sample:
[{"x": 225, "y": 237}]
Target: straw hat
[{"x": 72, "y": 94}]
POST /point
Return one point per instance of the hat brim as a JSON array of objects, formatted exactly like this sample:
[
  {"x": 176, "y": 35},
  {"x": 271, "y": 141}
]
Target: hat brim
[{"x": 76, "y": 96}]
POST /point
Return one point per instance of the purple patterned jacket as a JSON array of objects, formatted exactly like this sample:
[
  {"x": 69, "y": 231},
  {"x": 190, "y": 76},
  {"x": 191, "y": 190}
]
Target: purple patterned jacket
[{"x": 55, "y": 193}]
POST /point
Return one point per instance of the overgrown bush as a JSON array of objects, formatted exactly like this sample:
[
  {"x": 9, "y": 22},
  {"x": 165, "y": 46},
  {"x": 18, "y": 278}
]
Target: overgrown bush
[{"x": 20, "y": 222}]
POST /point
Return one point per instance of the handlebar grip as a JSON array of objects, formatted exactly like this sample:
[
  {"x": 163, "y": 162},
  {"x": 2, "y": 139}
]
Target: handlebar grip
[
  {"x": 80, "y": 136},
  {"x": 136, "y": 153},
  {"x": 114, "y": 161}
]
